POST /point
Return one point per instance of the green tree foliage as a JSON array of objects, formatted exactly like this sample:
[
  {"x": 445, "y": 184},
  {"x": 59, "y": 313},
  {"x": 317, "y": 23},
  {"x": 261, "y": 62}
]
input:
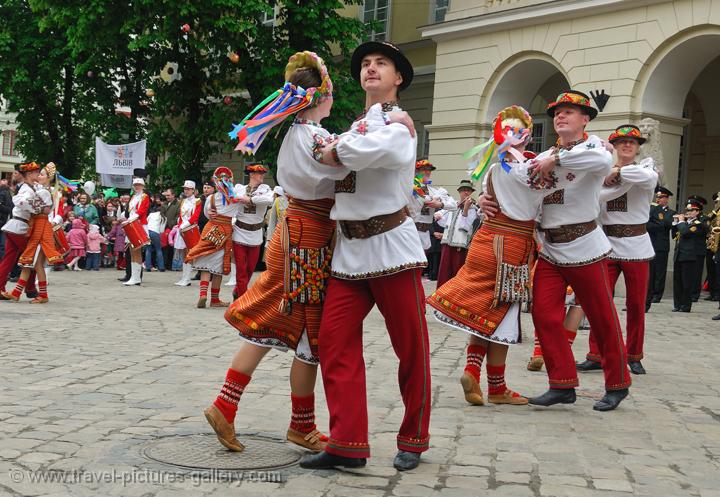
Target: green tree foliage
[{"x": 67, "y": 65}]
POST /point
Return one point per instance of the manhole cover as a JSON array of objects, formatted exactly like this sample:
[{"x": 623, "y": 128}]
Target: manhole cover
[{"x": 205, "y": 452}]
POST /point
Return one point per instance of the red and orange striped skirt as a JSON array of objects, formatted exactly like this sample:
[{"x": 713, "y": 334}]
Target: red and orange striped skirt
[
  {"x": 287, "y": 298},
  {"x": 216, "y": 236},
  {"x": 474, "y": 297},
  {"x": 40, "y": 234}
]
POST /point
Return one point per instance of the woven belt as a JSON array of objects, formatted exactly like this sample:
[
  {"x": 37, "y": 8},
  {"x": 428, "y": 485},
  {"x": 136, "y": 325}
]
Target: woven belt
[
  {"x": 373, "y": 226},
  {"x": 625, "y": 230},
  {"x": 26, "y": 221},
  {"x": 568, "y": 232},
  {"x": 221, "y": 220},
  {"x": 248, "y": 227},
  {"x": 423, "y": 226}
]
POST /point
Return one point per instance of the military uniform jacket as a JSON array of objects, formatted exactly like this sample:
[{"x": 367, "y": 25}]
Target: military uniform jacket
[
  {"x": 691, "y": 235},
  {"x": 659, "y": 226}
]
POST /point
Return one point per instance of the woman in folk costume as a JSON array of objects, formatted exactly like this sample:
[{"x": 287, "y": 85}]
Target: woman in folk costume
[
  {"x": 212, "y": 254},
  {"x": 283, "y": 308},
  {"x": 188, "y": 214},
  {"x": 485, "y": 296},
  {"x": 41, "y": 242},
  {"x": 138, "y": 208}
]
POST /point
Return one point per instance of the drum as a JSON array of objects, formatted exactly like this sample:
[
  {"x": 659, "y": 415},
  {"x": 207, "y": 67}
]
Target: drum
[
  {"x": 61, "y": 243},
  {"x": 135, "y": 232},
  {"x": 190, "y": 235}
]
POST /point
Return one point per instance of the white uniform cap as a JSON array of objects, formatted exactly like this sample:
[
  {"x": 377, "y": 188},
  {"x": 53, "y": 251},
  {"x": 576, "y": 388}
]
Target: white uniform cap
[
  {"x": 138, "y": 181},
  {"x": 278, "y": 190},
  {"x": 189, "y": 184}
]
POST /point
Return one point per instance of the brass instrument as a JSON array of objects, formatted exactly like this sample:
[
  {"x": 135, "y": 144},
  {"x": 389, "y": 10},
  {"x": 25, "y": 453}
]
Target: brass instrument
[{"x": 712, "y": 242}]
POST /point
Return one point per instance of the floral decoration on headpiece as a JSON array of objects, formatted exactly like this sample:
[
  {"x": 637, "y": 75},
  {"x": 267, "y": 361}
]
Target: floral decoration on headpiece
[
  {"x": 572, "y": 97},
  {"x": 288, "y": 100},
  {"x": 28, "y": 167},
  {"x": 627, "y": 131},
  {"x": 512, "y": 126},
  {"x": 256, "y": 168},
  {"x": 424, "y": 164}
]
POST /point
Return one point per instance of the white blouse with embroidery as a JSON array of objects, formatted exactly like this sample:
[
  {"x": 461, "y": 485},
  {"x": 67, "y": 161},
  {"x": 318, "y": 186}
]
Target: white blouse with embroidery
[{"x": 262, "y": 198}]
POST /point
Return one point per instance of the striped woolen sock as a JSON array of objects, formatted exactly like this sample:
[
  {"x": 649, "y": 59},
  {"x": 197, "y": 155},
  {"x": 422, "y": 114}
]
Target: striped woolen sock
[
  {"x": 475, "y": 357},
  {"x": 303, "y": 413},
  {"x": 230, "y": 393},
  {"x": 570, "y": 334},
  {"x": 204, "y": 288},
  {"x": 19, "y": 287},
  {"x": 42, "y": 289},
  {"x": 537, "y": 351},
  {"x": 496, "y": 379},
  {"x": 214, "y": 295}
]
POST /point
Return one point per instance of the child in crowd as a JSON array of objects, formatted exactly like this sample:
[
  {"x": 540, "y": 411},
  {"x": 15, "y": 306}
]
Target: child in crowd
[
  {"x": 117, "y": 238},
  {"x": 78, "y": 239},
  {"x": 94, "y": 239},
  {"x": 67, "y": 224}
]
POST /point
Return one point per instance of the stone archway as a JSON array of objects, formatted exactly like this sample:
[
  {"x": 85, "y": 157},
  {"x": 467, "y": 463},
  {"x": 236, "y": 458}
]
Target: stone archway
[
  {"x": 677, "y": 87},
  {"x": 529, "y": 79}
]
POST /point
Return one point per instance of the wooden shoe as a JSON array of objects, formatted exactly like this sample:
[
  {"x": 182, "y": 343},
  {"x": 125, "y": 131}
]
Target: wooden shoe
[
  {"x": 40, "y": 300},
  {"x": 473, "y": 393},
  {"x": 508, "y": 397},
  {"x": 219, "y": 303},
  {"x": 225, "y": 431},
  {"x": 313, "y": 440},
  {"x": 9, "y": 296},
  {"x": 201, "y": 302},
  {"x": 535, "y": 363}
]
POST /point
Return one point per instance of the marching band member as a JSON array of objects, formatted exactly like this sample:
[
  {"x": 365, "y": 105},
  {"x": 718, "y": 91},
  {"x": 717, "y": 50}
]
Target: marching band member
[
  {"x": 254, "y": 199},
  {"x": 212, "y": 254},
  {"x": 41, "y": 242},
  {"x": 690, "y": 233},
  {"x": 188, "y": 215},
  {"x": 625, "y": 210},
  {"x": 458, "y": 229},
  {"x": 138, "y": 208}
]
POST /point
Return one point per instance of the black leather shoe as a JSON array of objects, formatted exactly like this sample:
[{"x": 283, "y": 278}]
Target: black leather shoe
[
  {"x": 554, "y": 396},
  {"x": 636, "y": 367},
  {"x": 325, "y": 460},
  {"x": 611, "y": 400},
  {"x": 712, "y": 298},
  {"x": 716, "y": 317},
  {"x": 405, "y": 461},
  {"x": 656, "y": 300},
  {"x": 685, "y": 309},
  {"x": 675, "y": 309},
  {"x": 31, "y": 295},
  {"x": 588, "y": 365},
  {"x": 695, "y": 299},
  {"x": 196, "y": 277},
  {"x": 123, "y": 279}
]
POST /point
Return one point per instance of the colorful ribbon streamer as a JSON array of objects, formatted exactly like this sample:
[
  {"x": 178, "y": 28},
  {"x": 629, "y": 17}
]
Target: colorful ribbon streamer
[{"x": 66, "y": 184}]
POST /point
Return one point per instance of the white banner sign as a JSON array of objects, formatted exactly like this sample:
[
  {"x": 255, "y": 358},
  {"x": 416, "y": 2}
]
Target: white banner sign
[
  {"x": 119, "y": 159},
  {"x": 116, "y": 180}
]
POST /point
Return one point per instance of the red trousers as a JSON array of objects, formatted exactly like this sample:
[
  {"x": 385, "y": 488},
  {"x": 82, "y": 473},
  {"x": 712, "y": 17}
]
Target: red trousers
[
  {"x": 636, "y": 276},
  {"x": 14, "y": 247},
  {"x": 401, "y": 300},
  {"x": 246, "y": 258},
  {"x": 451, "y": 260},
  {"x": 591, "y": 284}
]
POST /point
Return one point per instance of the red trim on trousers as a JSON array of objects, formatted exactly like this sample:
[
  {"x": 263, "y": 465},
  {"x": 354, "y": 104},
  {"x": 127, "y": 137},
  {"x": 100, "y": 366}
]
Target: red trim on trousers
[
  {"x": 591, "y": 284},
  {"x": 347, "y": 304}
]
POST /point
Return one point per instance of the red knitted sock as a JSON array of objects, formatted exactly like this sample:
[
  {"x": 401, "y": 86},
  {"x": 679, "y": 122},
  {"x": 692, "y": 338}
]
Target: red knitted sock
[
  {"x": 227, "y": 401},
  {"x": 475, "y": 357},
  {"x": 303, "y": 413},
  {"x": 214, "y": 295},
  {"x": 19, "y": 287},
  {"x": 42, "y": 289},
  {"x": 496, "y": 379},
  {"x": 204, "y": 288},
  {"x": 570, "y": 334},
  {"x": 537, "y": 351}
]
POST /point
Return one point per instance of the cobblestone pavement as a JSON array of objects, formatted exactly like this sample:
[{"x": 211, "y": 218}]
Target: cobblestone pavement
[{"x": 102, "y": 370}]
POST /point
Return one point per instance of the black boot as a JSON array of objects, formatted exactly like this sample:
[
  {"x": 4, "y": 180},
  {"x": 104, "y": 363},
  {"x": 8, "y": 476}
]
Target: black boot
[
  {"x": 716, "y": 317},
  {"x": 588, "y": 365},
  {"x": 611, "y": 400},
  {"x": 636, "y": 367},
  {"x": 325, "y": 460},
  {"x": 405, "y": 461},
  {"x": 554, "y": 396}
]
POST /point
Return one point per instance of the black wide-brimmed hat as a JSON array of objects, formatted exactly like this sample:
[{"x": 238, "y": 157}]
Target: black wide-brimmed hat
[{"x": 402, "y": 64}]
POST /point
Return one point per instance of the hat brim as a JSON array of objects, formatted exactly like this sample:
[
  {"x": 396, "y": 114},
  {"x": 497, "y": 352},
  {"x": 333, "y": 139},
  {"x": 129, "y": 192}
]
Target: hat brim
[
  {"x": 592, "y": 111},
  {"x": 466, "y": 188},
  {"x": 402, "y": 64},
  {"x": 638, "y": 139},
  {"x": 426, "y": 168}
]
